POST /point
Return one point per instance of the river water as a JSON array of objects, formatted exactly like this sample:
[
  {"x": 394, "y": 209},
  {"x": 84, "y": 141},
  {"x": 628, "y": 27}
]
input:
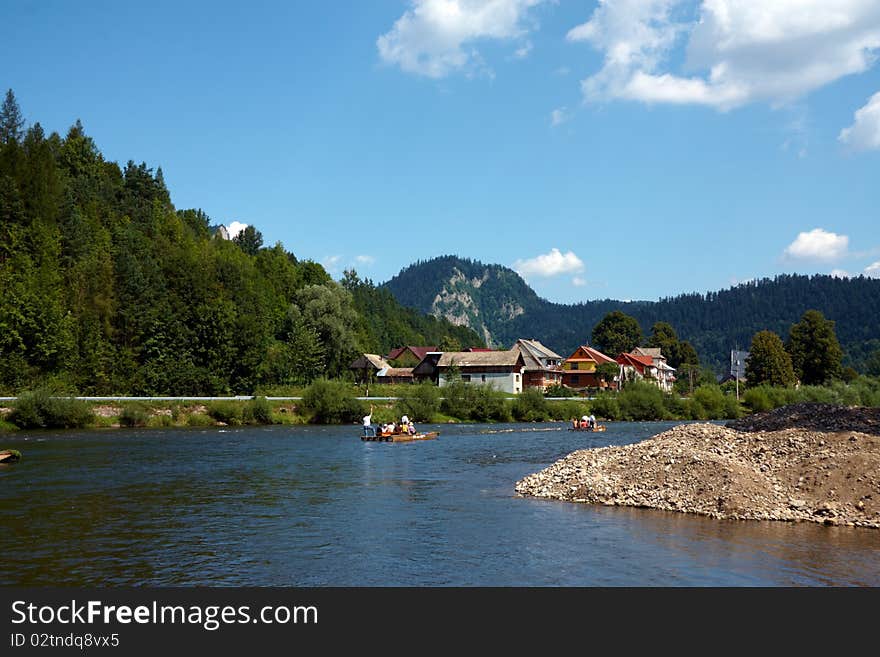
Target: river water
[{"x": 314, "y": 506}]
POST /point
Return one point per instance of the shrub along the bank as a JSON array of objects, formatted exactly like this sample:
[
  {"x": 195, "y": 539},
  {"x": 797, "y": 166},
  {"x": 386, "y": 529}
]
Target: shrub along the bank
[
  {"x": 331, "y": 402},
  {"x": 420, "y": 402},
  {"x": 228, "y": 412},
  {"x": 530, "y": 406},
  {"x": 258, "y": 411},
  {"x": 40, "y": 409},
  {"x": 134, "y": 415},
  {"x": 479, "y": 403},
  {"x": 605, "y": 406},
  {"x": 641, "y": 401}
]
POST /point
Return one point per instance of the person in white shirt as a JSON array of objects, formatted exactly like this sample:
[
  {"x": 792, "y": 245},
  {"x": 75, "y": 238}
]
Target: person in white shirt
[{"x": 368, "y": 424}]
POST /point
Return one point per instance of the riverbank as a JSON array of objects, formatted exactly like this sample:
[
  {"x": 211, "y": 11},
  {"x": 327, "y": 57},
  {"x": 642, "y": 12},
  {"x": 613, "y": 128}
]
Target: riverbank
[{"x": 807, "y": 462}]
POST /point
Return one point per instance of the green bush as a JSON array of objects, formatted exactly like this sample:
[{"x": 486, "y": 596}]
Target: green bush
[
  {"x": 41, "y": 410},
  {"x": 480, "y": 403},
  {"x": 675, "y": 407},
  {"x": 258, "y": 411},
  {"x": 565, "y": 410},
  {"x": 420, "y": 402},
  {"x": 530, "y": 406},
  {"x": 134, "y": 415},
  {"x": 605, "y": 406},
  {"x": 707, "y": 403},
  {"x": 199, "y": 420},
  {"x": 641, "y": 401},
  {"x": 228, "y": 412},
  {"x": 332, "y": 402},
  {"x": 560, "y": 391},
  {"x": 757, "y": 399}
]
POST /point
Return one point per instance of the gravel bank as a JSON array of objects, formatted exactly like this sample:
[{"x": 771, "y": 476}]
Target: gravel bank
[{"x": 789, "y": 473}]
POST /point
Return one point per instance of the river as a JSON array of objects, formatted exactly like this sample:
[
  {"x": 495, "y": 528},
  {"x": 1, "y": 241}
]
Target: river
[{"x": 314, "y": 506}]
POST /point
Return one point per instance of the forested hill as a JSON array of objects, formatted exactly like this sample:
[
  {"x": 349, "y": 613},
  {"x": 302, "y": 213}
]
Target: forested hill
[
  {"x": 497, "y": 303},
  {"x": 106, "y": 288}
]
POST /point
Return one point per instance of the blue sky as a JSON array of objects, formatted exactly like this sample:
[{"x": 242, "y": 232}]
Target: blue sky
[{"x": 631, "y": 149}]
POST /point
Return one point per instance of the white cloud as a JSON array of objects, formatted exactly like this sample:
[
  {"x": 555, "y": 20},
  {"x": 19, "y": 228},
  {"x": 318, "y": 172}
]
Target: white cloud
[
  {"x": 873, "y": 270},
  {"x": 235, "y": 228},
  {"x": 864, "y": 133},
  {"x": 818, "y": 244},
  {"x": 737, "y": 51},
  {"x": 839, "y": 273},
  {"x": 550, "y": 264},
  {"x": 435, "y": 37},
  {"x": 559, "y": 116},
  {"x": 577, "y": 281},
  {"x": 523, "y": 51},
  {"x": 331, "y": 263},
  {"x": 364, "y": 259}
]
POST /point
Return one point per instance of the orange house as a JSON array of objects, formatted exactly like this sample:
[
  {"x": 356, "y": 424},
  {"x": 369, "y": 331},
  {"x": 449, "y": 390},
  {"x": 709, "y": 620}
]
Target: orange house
[{"x": 579, "y": 369}]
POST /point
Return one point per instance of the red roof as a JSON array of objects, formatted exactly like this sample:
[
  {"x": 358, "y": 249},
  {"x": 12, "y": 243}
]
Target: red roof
[
  {"x": 592, "y": 355},
  {"x": 418, "y": 352},
  {"x": 638, "y": 362}
]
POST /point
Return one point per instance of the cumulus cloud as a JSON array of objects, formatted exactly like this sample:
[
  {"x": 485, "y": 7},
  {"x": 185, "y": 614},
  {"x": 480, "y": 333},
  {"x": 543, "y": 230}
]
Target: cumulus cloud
[
  {"x": 559, "y": 116},
  {"x": 550, "y": 264},
  {"x": 839, "y": 273},
  {"x": 578, "y": 281},
  {"x": 737, "y": 51},
  {"x": 818, "y": 244},
  {"x": 864, "y": 133},
  {"x": 873, "y": 270},
  {"x": 235, "y": 228},
  {"x": 435, "y": 38},
  {"x": 331, "y": 263},
  {"x": 365, "y": 259}
]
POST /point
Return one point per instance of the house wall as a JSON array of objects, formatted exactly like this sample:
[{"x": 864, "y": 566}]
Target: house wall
[{"x": 510, "y": 382}]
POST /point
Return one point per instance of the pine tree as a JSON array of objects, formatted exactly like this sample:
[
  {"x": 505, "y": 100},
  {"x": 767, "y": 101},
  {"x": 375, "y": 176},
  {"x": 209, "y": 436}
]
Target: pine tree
[{"x": 11, "y": 120}]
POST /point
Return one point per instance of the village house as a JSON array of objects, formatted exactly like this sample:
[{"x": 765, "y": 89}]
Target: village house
[
  {"x": 579, "y": 369},
  {"x": 395, "y": 375},
  {"x": 408, "y": 356},
  {"x": 543, "y": 366},
  {"x": 636, "y": 367},
  {"x": 367, "y": 367},
  {"x": 664, "y": 374},
  {"x": 503, "y": 370}
]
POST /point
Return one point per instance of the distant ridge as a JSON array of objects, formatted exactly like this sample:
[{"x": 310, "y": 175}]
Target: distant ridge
[{"x": 498, "y": 304}]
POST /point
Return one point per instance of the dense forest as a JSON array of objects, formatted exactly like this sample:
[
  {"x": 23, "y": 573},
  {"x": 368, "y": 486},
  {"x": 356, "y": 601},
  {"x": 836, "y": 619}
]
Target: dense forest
[
  {"x": 498, "y": 304},
  {"x": 106, "y": 288}
]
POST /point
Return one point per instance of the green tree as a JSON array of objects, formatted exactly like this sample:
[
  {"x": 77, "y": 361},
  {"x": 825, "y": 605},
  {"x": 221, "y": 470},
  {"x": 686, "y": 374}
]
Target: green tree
[
  {"x": 815, "y": 352},
  {"x": 664, "y": 337},
  {"x": 616, "y": 333},
  {"x": 607, "y": 371},
  {"x": 249, "y": 240},
  {"x": 872, "y": 365},
  {"x": 768, "y": 361},
  {"x": 11, "y": 120}
]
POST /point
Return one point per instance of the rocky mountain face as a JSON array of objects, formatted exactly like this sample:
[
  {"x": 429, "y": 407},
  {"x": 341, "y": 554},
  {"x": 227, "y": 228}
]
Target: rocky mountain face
[{"x": 498, "y": 304}]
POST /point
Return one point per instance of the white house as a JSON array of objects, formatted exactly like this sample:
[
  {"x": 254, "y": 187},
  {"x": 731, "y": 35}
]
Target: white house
[{"x": 503, "y": 370}]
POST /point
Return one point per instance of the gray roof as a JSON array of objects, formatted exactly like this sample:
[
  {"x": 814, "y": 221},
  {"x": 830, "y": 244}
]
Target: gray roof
[
  {"x": 533, "y": 351},
  {"x": 372, "y": 359},
  {"x": 479, "y": 358},
  {"x": 653, "y": 352}
]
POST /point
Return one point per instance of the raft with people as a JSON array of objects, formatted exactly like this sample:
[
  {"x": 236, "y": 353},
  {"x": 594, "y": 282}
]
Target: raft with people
[
  {"x": 393, "y": 432},
  {"x": 10, "y": 456},
  {"x": 586, "y": 423}
]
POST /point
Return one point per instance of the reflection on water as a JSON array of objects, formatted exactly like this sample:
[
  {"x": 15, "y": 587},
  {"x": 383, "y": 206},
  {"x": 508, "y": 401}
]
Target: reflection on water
[{"x": 316, "y": 506}]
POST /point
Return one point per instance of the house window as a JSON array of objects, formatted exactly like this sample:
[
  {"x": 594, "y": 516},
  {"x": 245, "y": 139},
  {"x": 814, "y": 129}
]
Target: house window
[
  {"x": 484, "y": 378},
  {"x": 574, "y": 366},
  {"x": 517, "y": 378},
  {"x": 575, "y": 379},
  {"x": 466, "y": 378}
]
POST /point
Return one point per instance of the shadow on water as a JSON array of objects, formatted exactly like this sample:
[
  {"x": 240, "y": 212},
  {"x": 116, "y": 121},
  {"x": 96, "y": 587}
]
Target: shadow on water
[{"x": 314, "y": 506}]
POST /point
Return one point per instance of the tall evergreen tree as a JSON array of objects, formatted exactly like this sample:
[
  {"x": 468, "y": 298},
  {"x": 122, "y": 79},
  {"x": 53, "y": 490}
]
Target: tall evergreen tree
[
  {"x": 249, "y": 240},
  {"x": 768, "y": 361},
  {"x": 11, "y": 120},
  {"x": 815, "y": 352}
]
